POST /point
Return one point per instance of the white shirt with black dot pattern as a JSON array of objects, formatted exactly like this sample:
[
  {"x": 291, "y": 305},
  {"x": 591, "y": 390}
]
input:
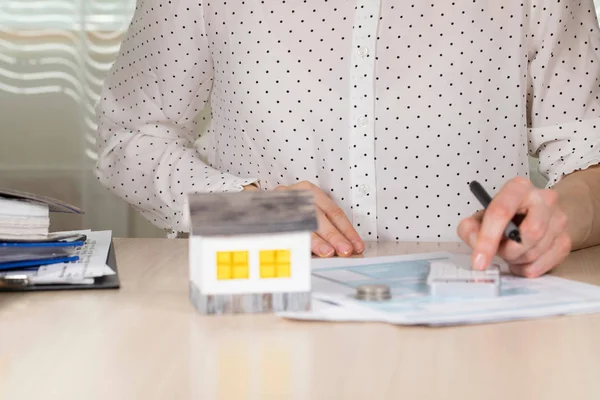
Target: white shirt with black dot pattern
[{"x": 391, "y": 108}]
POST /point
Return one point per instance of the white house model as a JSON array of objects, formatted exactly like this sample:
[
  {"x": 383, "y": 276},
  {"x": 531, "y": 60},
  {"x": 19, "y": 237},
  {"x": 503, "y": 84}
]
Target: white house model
[{"x": 250, "y": 251}]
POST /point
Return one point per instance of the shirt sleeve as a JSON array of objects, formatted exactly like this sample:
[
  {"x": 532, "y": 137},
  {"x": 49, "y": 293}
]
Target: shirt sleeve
[
  {"x": 159, "y": 83},
  {"x": 563, "y": 86}
]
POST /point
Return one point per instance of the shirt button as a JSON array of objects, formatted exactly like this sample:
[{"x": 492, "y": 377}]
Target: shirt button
[
  {"x": 363, "y": 121},
  {"x": 363, "y": 51},
  {"x": 364, "y": 189}
]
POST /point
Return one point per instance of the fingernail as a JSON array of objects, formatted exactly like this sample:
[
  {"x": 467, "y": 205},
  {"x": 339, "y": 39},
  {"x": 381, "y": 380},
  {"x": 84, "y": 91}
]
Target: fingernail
[
  {"x": 344, "y": 249},
  {"x": 359, "y": 247},
  {"x": 480, "y": 262},
  {"x": 325, "y": 250},
  {"x": 472, "y": 239}
]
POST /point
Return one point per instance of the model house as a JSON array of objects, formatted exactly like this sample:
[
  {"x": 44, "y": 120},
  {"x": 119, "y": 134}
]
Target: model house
[{"x": 250, "y": 251}]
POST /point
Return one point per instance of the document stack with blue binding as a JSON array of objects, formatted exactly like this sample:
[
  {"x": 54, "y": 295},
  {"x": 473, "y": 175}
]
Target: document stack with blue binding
[{"x": 30, "y": 251}]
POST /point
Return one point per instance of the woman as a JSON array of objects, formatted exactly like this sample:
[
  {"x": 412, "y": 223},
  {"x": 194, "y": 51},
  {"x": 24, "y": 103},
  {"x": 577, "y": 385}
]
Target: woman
[{"x": 385, "y": 111}]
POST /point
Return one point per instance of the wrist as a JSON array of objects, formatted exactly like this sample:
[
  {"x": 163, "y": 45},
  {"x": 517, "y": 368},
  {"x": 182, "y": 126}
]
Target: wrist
[
  {"x": 250, "y": 187},
  {"x": 574, "y": 199}
]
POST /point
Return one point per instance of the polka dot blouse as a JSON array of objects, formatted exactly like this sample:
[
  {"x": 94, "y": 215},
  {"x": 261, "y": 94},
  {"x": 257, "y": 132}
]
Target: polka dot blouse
[{"x": 391, "y": 108}]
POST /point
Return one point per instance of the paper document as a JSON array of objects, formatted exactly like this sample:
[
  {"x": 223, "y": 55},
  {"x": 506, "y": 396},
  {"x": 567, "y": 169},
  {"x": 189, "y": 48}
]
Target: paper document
[
  {"x": 91, "y": 264},
  {"x": 335, "y": 281}
]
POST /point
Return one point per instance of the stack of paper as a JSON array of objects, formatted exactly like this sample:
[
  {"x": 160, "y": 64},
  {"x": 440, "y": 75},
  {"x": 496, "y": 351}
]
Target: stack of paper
[
  {"x": 26, "y": 216},
  {"x": 89, "y": 262},
  {"x": 30, "y": 251},
  {"x": 335, "y": 282},
  {"x": 22, "y": 218},
  {"x": 25, "y": 237}
]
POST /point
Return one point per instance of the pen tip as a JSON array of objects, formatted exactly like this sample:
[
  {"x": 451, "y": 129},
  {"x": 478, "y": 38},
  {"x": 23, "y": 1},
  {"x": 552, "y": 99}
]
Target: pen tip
[{"x": 514, "y": 235}]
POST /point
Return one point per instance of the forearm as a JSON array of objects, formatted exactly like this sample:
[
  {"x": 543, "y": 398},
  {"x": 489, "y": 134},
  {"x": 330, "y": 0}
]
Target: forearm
[
  {"x": 579, "y": 198},
  {"x": 154, "y": 174},
  {"x": 151, "y": 97}
]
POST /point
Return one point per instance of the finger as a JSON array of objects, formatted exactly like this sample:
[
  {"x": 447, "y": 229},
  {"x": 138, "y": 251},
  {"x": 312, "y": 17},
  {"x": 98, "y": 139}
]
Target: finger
[
  {"x": 339, "y": 219},
  {"x": 533, "y": 231},
  {"x": 327, "y": 231},
  {"x": 530, "y": 247},
  {"x": 468, "y": 228},
  {"x": 335, "y": 215},
  {"x": 558, "y": 251},
  {"x": 556, "y": 227},
  {"x": 328, "y": 237},
  {"x": 320, "y": 246},
  {"x": 513, "y": 253},
  {"x": 514, "y": 196}
]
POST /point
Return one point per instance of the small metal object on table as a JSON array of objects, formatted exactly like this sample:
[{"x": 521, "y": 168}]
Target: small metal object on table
[
  {"x": 378, "y": 292},
  {"x": 14, "y": 281}
]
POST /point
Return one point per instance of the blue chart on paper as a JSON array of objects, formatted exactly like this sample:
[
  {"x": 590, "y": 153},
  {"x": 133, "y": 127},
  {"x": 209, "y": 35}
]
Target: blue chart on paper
[
  {"x": 407, "y": 281},
  {"x": 335, "y": 281}
]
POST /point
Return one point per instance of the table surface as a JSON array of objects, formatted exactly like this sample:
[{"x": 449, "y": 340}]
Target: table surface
[{"x": 145, "y": 341}]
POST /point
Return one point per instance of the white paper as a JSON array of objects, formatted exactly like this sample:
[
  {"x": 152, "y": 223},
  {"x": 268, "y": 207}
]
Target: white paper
[
  {"x": 10, "y": 207},
  {"x": 91, "y": 263},
  {"x": 335, "y": 281},
  {"x": 7, "y": 237}
]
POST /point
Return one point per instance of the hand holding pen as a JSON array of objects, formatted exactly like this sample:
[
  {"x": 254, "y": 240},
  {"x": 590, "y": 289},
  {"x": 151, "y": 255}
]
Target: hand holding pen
[{"x": 532, "y": 246}]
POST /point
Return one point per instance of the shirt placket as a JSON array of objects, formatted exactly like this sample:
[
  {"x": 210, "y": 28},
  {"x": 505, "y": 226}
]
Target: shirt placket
[{"x": 362, "y": 118}]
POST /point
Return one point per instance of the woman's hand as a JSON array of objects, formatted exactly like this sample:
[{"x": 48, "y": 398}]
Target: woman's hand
[
  {"x": 335, "y": 234},
  {"x": 544, "y": 239}
]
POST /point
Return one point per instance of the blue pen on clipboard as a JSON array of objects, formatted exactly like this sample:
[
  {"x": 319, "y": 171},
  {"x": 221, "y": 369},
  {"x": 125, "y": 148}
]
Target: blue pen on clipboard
[
  {"x": 34, "y": 264},
  {"x": 42, "y": 244}
]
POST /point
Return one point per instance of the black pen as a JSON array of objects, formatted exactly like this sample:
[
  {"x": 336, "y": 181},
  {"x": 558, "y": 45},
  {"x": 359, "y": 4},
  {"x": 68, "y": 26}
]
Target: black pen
[{"x": 511, "y": 231}]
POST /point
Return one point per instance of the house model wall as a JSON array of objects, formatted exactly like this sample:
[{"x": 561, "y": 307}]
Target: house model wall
[{"x": 250, "y": 251}]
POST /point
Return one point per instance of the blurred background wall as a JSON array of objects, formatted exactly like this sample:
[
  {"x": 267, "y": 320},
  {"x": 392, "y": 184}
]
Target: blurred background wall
[{"x": 53, "y": 57}]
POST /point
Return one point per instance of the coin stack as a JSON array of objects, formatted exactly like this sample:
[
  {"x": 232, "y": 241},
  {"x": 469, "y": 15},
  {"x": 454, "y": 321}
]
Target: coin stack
[{"x": 373, "y": 292}]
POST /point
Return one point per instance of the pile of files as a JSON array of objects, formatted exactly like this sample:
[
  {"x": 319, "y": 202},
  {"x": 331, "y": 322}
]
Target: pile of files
[
  {"x": 30, "y": 251},
  {"x": 20, "y": 218}
]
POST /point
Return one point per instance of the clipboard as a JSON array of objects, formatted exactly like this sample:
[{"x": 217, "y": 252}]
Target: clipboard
[
  {"x": 103, "y": 282},
  {"x": 54, "y": 205}
]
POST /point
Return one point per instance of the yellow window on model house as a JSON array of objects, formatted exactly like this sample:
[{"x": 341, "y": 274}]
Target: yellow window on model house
[
  {"x": 232, "y": 265},
  {"x": 275, "y": 263}
]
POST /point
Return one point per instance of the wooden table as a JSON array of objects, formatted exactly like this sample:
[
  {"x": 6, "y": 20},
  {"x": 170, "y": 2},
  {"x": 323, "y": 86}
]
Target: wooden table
[{"x": 145, "y": 341}]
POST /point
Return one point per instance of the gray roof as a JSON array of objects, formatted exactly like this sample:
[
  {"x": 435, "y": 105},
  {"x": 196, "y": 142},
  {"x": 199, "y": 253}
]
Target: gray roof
[{"x": 251, "y": 212}]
